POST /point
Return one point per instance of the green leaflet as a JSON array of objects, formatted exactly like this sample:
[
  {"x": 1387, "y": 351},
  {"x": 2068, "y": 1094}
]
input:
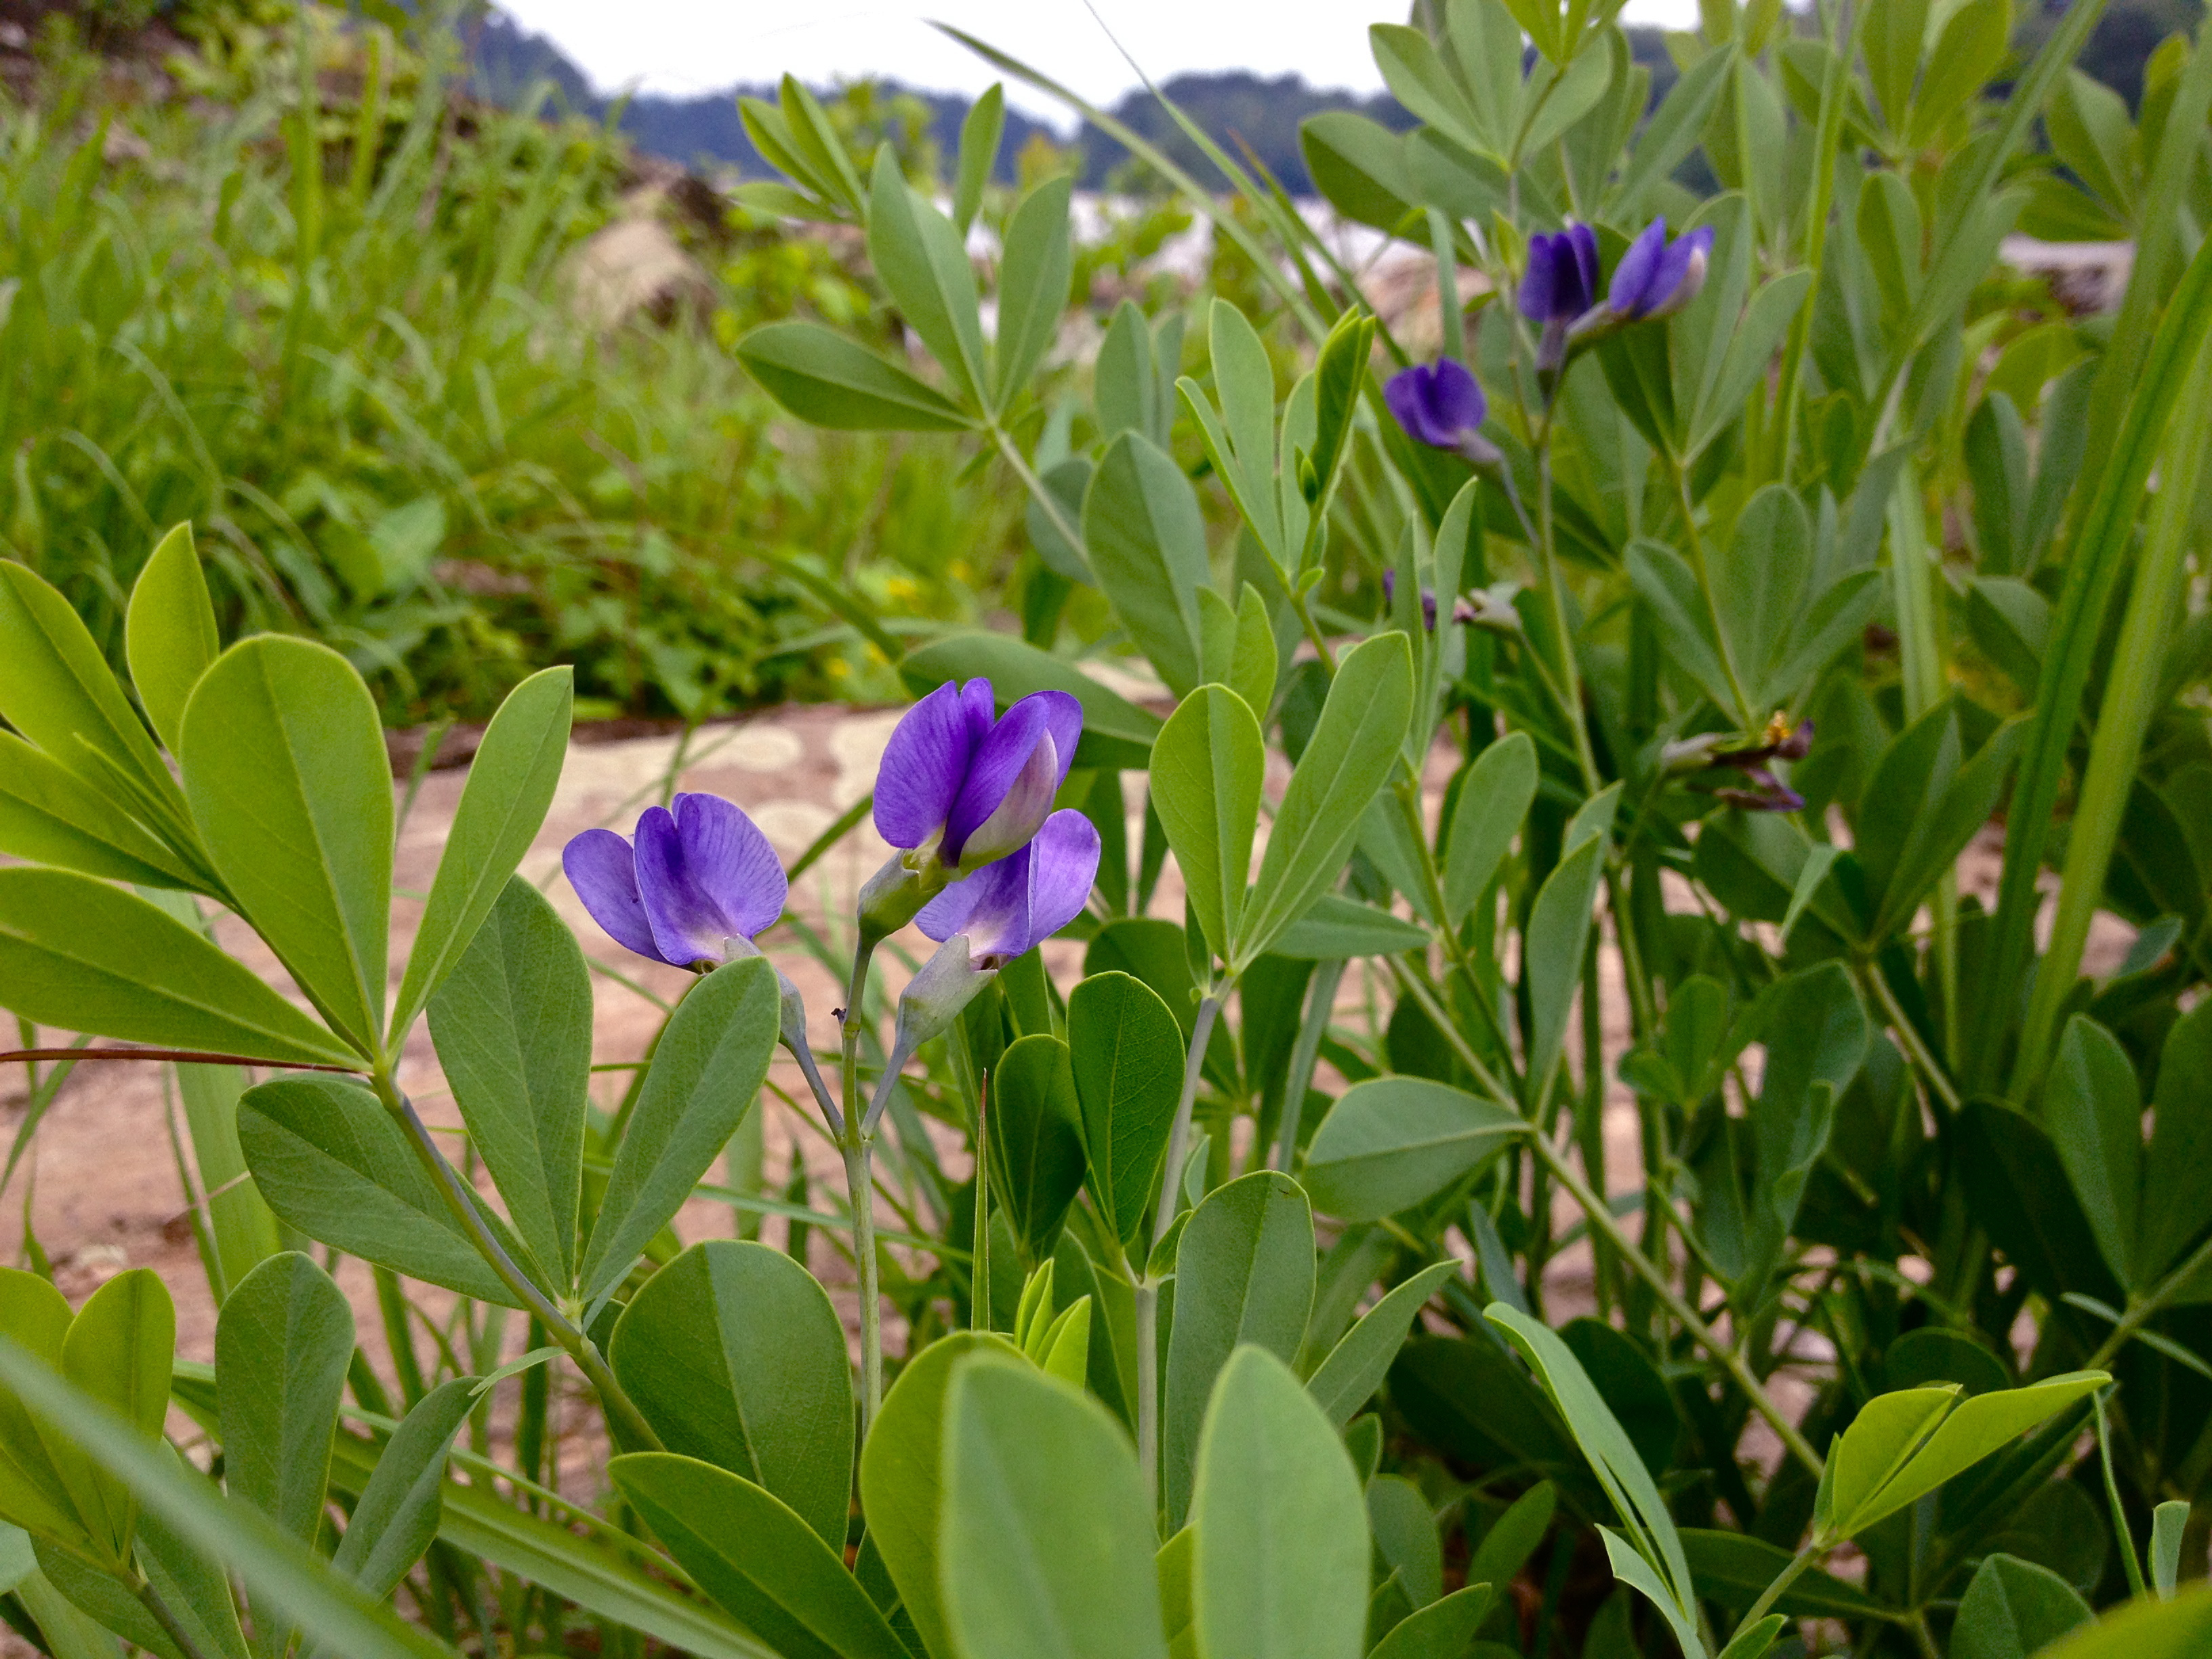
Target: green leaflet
[
  {"x": 735, "y": 1356},
  {"x": 291, "y": 791},
  {"x": 1047, "y": 1536},
  {"x": 78, "y": 954},
  {"x": 755, "y": 1556},
  {"x": 706, "y": 1072},
  {"x": 511, "y": 782},
  {"x": 1280, "y": 1562}
]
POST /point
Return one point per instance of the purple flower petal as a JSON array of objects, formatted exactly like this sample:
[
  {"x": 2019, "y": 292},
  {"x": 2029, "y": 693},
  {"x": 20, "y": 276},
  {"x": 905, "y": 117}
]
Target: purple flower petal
[
  {"x": 926, "y": 761},
  {"x": 1583, "y": 242},
  {"x": 732, "y": 863},
  {"x": 1438, "y": 404},
  {"x": 1000, "y": 761},
  {"x": 1681, "y": 272},
  {"x": 705, "y": 874},
  {"x": 1539, "y": 284},
  {"x": 1631, "y": 278},
  {"x": 1008, "y": 907},
  {"x": 1063, "y": 866},
  {"x": 603, "y": 869}
]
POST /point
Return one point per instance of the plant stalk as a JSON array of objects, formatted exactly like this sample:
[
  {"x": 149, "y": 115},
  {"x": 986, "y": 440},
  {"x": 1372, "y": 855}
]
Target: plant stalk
[
  {"x": 622, "y": 1411},
  {"x": 858, "y": 1145},
  {"x": 1148, "y": 1289}
]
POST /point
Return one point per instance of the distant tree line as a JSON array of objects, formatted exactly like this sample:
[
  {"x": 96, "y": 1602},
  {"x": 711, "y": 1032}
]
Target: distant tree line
[{"x": 1250, "y": 115}]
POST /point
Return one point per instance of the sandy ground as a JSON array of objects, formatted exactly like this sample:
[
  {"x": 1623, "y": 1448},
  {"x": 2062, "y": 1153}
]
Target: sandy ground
[{"x": 102, "y": 1185}]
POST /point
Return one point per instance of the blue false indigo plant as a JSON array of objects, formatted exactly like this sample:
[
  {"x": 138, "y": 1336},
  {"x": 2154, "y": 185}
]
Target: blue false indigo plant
[{"x": 1277, "y": 1285}]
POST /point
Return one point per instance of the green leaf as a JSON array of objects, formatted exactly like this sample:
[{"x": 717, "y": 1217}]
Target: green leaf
[
  {"x": 753, "y": 1553},
  {"x": 1253, "y": 664},
  {"x": 282, "y": 1346},
  {"x": 192, "y": 1585},
  {"x": 1877, "y": 1446},
  {"x": 1733, "y": 1568},
  {"x": 513, "y": 1025},
  {"x": 1015, "y": 669},
  {"x": 1440, "y": 1630},
  {"x": 2179, "y": 1629},
  {"x": 603, "y": 1576},
  {"x": 2013, "y": 1608},
  {"x": 1336, "y": 928},
  {"x": 1500, "y": 786},
  {"x": 1666, "y": 584},
  {"x": 2169, "y": 1523},
  {"x": 828, "y": 380},
  {"x": 1673, "y": 131},
  {"x": 397, "y": 1515},
  {"x": 902, "y": 1475},
  {"x": 1128, "y": 1056},
  {"x": 35, "y": 1494},
  {"x": 1280, "y": 1565},
  {"x": 117, "y": 1350},
  {"x": 1356, "y": 1366},
  {"x": 291, "y": 790},
  {"x": 279, "y": 1572},
  {"x": 511, "y": 783},
  {"x": 108, "y": 1598},
  {"x": 2093, "y": 1111},
  {"x": 980, "y": 133},
  {"x": 49, "y": 815},
  {"x": 2176, "y": 1204},
  {"x": 1655, "y": 1565},
  {"x": 1970, "y": 1432},
  {"x": 1413, "y": 68},
  {"x": 1206, "y": 769},
  {"x": 331, "y": 1162},
  {"x": 1036, "y": 1141},
  {"x": 706, "y": 1071},
  {"x": 57, "y": 690},
  {"x": 1359, "y": 166},
  {"x": 1244, "y": 1273},
  {"x": 1047, "y": 1533},
  {"x": 1147, "y": 544},
  {"x": 1556, "y": 938},
  {"x": 1348, "y": 759},
  {"x": 736, "y": 1357},
  {"x": 918, "y": 256},
  {"x": 1753, "y": 1641},
  {"x": 1393, "y": 1142},
  {"x": 77, "y": 954},
  {"x": 169, "y": 631},
  {"x": 1033, "y": 280}
]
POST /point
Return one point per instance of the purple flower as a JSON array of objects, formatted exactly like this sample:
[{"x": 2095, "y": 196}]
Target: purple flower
[
  {"x": 980, "y": 787},
  {"x": 1656, "y": 277},
  {"x": 1026, "y": 897},
  {"x": 697, "y": 876},
  {"x": 1561, "y": 281},
  {"x": 1442, "y": 405}
]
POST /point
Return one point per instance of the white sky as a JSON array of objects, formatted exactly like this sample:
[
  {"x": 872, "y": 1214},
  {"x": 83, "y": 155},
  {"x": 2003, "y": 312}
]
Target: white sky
[{"x": 689, "y": 46}]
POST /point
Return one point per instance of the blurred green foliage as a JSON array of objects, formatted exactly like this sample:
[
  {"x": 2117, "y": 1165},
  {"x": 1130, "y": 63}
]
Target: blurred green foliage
[{"x": 351, "y": 349}]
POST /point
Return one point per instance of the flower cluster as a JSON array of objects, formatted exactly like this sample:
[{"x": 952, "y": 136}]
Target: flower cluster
[
  {"x": 1442, "y": 405},
  {"x": 1763, "y": 792},
  {"x": 984, "y": 866}
]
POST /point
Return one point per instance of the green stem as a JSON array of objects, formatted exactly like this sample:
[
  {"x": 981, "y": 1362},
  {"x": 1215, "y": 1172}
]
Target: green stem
[
  {"x": 2140, "y": 1313},
  {"x": 1783, "y": 1580},
  {"x": 1602, "y": 1219},
  {"x": 1038, "y": 491},
  {"x": 151, "y": 1599},
  {"x": 2121, "y": 1534},
  {"x": 1908, "y": 1034},
  {"x": 860, "y": 1182},
  {"x": 1556, "y": 592},
  {"x": 622, "y": 1413},
  {"x": 858, "y": 1146},
  {"x": 1148, "y": 1289}
]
